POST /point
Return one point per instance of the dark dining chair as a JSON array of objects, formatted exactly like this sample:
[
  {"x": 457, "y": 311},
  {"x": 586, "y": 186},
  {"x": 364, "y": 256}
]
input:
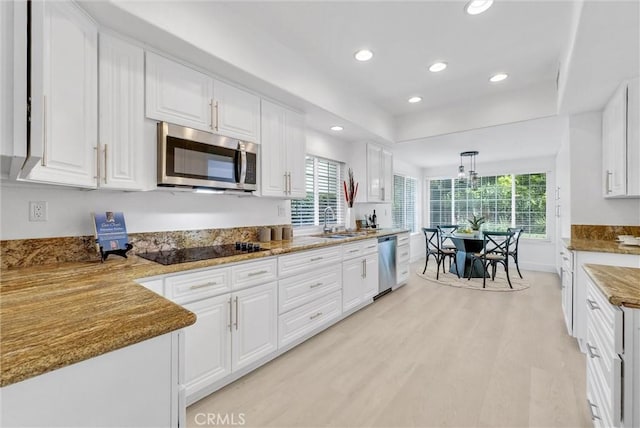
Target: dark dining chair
[
  {"x": 513, "y": 245},
  {"x": 495, "y": 249},
  {"x": 432, "y": 241},
  {"x": 446, "y": 244}
]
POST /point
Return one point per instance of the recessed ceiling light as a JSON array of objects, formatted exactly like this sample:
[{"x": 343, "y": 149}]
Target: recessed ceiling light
[
  {"x": 337, "y": 128},
  {"x": 437, "y": 66},
  {"x": 498, "y": 77},
  {"x": 414, "y": 100},
  {"x": 476, "y": 7},
  {"x": 363, "y": 55}
]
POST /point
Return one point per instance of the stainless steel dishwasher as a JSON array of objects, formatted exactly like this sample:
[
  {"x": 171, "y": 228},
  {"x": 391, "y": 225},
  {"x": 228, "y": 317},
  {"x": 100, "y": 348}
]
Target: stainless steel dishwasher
[{"x": 386, "y": 263}]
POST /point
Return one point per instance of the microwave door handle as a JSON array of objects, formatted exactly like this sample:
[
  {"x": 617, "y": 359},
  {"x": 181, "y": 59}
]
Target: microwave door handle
[{"x": 243, "y": 166}]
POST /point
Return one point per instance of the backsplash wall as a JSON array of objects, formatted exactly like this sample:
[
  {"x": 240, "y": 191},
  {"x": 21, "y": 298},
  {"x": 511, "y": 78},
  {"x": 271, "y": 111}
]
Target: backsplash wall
[{"x": 69, "y": 211}]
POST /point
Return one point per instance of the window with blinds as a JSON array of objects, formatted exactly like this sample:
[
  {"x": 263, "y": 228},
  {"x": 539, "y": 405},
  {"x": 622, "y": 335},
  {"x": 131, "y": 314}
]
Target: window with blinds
[
  {"x": 403, "y": 210},
  {"x": 324, "y": 189}
]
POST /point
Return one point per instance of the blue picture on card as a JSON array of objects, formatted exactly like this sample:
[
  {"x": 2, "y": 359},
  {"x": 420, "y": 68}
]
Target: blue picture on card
[{"x": 111, "y": 231}]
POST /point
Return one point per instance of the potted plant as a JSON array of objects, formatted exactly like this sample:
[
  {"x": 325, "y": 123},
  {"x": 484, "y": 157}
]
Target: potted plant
[{"x": 475, "y": 222}]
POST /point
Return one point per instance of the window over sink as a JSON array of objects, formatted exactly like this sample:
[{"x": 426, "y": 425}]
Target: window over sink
[{"x": 324, "y": 189}]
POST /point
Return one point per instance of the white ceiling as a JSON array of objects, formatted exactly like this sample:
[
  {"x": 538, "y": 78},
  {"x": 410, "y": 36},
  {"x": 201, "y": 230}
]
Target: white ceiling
[{"x": 525, "y": 39}]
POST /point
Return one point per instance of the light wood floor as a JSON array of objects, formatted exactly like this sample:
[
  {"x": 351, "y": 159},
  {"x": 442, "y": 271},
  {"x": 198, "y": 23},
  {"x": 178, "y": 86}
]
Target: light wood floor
[{"x": 424, "y": 355}]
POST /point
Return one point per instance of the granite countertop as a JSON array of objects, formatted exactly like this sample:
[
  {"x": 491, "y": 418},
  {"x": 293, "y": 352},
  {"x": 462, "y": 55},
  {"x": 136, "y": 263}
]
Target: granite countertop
[
  {"x": 59, "y": 314},
  {"x": 601, "y": 246},
  {"x": 621, "y": 285}
]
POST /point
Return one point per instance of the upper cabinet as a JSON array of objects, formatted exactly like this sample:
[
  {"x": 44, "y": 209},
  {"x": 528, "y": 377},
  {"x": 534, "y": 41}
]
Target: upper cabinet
[
  {"x": 379, "y": 174},
  {"x": 283, "y": 152},
  {"x": 621, "y": 142},
  {"x": 121, "y": 137},
  {"x": 178, "y": 94},
  {"x": 64, "y": 89}
]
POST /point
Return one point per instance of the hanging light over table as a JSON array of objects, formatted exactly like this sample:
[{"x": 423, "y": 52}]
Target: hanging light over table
[{"x": 473, "y": 179}]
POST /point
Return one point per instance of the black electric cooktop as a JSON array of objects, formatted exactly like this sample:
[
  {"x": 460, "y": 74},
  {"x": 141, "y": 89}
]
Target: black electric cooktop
[{"x": 184, "y": 255}]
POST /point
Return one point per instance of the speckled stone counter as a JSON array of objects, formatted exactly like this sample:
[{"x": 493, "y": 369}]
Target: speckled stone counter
[
  {"x": 621, "y": 285},
  {"x": 58, "y": 314},
  {"x": 601, "y": 246}
]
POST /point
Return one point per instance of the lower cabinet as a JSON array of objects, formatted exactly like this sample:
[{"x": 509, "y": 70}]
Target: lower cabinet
[
  {"x": 403, "y": 256},
  {"x": 359, "y": 280},
  {"x": 299, "y": 322},
  {"x": 567, "y": 288}
]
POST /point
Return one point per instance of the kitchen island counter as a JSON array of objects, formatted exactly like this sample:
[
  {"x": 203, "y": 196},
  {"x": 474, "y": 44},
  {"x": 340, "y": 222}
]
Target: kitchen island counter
[{"x": 621, "y": 285}]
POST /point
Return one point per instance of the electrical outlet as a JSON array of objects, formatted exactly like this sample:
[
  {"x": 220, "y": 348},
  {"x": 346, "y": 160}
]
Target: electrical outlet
[
  {"x": 37, "y": 211},
  {"x": 281, "y": 211}
]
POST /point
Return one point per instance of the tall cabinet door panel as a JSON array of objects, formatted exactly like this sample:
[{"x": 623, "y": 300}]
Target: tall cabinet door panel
[
  {"x": 238, "y": 112},
  {"x": 374, "y": 169},
  {"x": 207, "y": 343},
  {"x": 273, "y": 174},
  {"x": 255, "y": 328},
  {"x": 614, "y": 137},
  {"x": 633, "y": 137},
  {"x": 352, "y": 274},
  {"x": 178, "y": 94},
  {"x": 386, "y": 185},
  {"x": 64, "y": 93},
  {"x": 296, "y": 148},
  {"x": 121, "y": 71},
  {"x": 370, "y": 280}
]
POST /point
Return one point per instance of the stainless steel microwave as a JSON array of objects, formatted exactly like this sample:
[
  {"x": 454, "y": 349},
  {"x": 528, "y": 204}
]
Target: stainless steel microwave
[{"x": 191, "y": 158}]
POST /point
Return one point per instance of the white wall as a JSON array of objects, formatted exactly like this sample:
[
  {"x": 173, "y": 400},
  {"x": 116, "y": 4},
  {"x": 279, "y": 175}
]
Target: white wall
[
  {"x": 69, "y": 211},
  {"x": 587, "y": 204},
  {"x": 535, "y": 254}
]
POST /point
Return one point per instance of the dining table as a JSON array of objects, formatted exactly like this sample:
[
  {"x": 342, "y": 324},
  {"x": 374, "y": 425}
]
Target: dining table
[{"x": 466, "y": 246}]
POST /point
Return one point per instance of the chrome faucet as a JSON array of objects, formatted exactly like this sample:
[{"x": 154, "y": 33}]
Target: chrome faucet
[{"x": 333, "y": 214}]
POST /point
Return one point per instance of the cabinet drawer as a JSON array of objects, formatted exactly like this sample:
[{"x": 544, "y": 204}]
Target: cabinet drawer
[
  {"x": 350, "y": 251},
  {"x": 292, "y": 264},
  {"x": 607, "y": 319},
  {"x": 253, "y": 273},
  {"x": 301, "y": 289},
  {"x": 197, "y": 285},
  {"x": 605, "y": 399},
  {"x": 370, "y": 246},
  {"x": 402, "y": 253},
  {"x": 402, "y": 272},
  {"x": 403, "y": 239},
  {"x": 300, "y": 322}
]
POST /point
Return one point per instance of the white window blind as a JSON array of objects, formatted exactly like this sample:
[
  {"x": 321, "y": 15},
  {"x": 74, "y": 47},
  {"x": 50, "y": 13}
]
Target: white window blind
[
  {"x": 324, "y": 189},
  {"x": 403, "y": 210}
]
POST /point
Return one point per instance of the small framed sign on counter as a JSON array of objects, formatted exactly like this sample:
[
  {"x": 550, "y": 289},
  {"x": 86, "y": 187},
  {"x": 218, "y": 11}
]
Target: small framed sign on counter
[{"x": 111, "y": 233}]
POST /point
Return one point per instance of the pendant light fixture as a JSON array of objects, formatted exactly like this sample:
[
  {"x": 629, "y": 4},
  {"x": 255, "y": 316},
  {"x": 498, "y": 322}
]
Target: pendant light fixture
[{"x": 473, "y": 179}]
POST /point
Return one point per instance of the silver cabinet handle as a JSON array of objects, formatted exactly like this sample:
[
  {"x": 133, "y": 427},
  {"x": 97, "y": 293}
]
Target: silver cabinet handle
[
  {"x": 591, "y": 407},
  {"x": 317, "y": 284},
  {"x": 404, "y": 254},
  {"x": 260, "y": 272},
  {"x": 289, "y": 181},
  {"x": 211, "y": 112},
  {"x": 315, "y": 259},
  {"x": 285, "y": 183},
  {"x": 105, "y": 164},
  {"x": 592, "y": 305},
  {"x": 97, "y": 176},
  {"x": 590, "y": 349},
  {"x": 236, "y": 312},
  {"x": 44, "y": 130},
  {"x": 208, "y": 284},
  {"x": 216, "y": 128},
  {"x": 365, "y": 268},
  {"x": 354, "y": 251},
  {"x": 609, "y": 176},
  {"x": 405, "y": 272},
  {"x": 372, "y": 246},
  {"x": 230, "y": 314},
  {"x": 316, "y": 315}
]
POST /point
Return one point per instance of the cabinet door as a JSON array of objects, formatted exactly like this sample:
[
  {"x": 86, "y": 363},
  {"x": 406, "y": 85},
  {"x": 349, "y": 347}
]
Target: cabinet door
[
  {"x": 255, "y": 328},
  {"x": 273, "y": 172},
  {"x": 238, "y": 112},
  {"x": 352, "y": 286},
  {"x": 633, "y": 137},
  {"x": 178, "y": 94},
  {"x": 386, "y": 179},
  {"x": 121, "y": 71},
  {"x": 370, "y": 280},
  {"x": 374, "y": 169},
  {"x": 64, "y": 89},
  {"x": 295, "y": 153},
  {"x": 614, "y": 144},
  {"x": 207, "y": 343}
]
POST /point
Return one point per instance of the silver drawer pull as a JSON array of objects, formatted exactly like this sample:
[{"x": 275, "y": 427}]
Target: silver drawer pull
[
  {"x": 404, "y": 254},
  {"x": 405, "y": 272},
  {"x": 372, "y": 246},
  {"x": 208, "y": 284},
  {"x": 260, "y": 272},
  {"x": 318, "y": 284},
  {"x": 354, "y": 251},
  {"x": 315, "y": 259},
  {"x": 312, "y": 317},
  {"x": 592, "y": 305},
  {"x": 593, "y": 414},
  {"x": 590, "y": 349}
]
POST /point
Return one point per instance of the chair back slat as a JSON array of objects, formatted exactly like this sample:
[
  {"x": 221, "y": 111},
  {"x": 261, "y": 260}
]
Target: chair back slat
[
  {"x": 432, "y": 238},
  {"x": 446, "y": 230},
  {"x": 515, "y": 239},
  {"x": 496, "y": 242}
]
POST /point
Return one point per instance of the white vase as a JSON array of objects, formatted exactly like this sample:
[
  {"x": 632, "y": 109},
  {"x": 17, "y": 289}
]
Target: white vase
[{"x": 349, "y": 219}]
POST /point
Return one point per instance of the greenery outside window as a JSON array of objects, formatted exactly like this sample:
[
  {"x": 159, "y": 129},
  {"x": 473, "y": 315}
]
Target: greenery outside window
[
  {"x": 403, "y": 210},
  {"x": 324, "y": 189},
  {"x": 511, "y": 200}
]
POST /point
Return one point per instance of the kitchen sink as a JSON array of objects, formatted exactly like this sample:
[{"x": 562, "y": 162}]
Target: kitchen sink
[{"x": 341, "y": 235}]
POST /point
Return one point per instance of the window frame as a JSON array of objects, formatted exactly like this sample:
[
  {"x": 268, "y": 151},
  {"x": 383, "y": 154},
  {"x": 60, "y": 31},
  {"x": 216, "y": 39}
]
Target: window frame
[{"x": 406, "y": 178}]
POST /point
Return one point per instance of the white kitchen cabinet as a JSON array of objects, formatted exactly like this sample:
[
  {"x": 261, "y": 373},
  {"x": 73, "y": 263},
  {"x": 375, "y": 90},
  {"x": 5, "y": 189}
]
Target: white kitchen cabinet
[
  {"x": 207, "y": 352},
  {"x": 304, "y": 320},
  {"x": 283, "y": 152},
  {"x": 255, "y": 328},
  {"x": 621, "y": 142},
  {"x": 352, "y": 287},
  {"x": 122, "y": 157},
  {"x": 238, "y": 112},
  {"x": 403, "y": 256},
  {"x": 359, "y": 274},
  {"x": 566, "y": 275},
  {"x": 379, "y": 174},
  {"x": 64, "y": 89},
  {"x": 178, "y": 94}
]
